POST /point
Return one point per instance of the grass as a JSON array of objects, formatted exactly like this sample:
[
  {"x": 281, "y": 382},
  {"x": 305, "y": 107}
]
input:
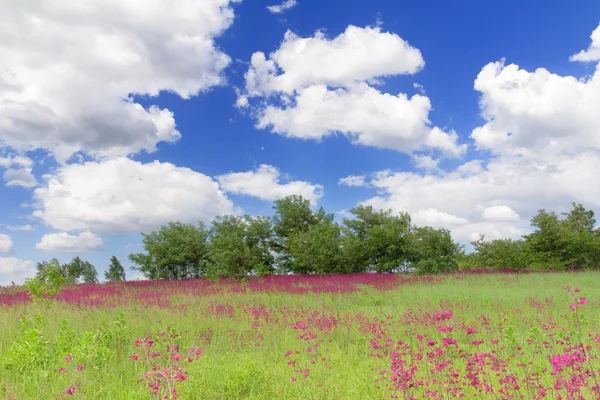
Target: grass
[{"x": 358, "y": 339}]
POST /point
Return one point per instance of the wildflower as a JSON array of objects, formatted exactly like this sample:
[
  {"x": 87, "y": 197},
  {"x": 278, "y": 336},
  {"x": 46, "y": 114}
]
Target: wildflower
[
  {"x": 154, "y": 354},
  {"x": 71, "y": 390},
  {"x": 471, "y": 331},
  {"x": 573, "y": 306},
  {"x": 583, "y": 301},
  {"x": 445, "y": 329},
  {"x": 68, "y": 358},
  {"x": 576, "y": 290},
  {"x": 293, "y": 379},
  {"x": 134, "y": 357},
  {"x": 176, "y": 357},
  {"x": 62, "y": 370},
  {"x": 80, "y": 367}
]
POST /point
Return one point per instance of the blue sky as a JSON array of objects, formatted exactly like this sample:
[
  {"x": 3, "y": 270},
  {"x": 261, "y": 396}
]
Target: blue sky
[{"x": 117, "y": 117}]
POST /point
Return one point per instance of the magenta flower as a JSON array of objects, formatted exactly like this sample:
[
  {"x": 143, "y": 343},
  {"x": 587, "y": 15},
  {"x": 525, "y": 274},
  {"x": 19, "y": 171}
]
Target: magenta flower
[
  {"x": 62, "y": 370},
  {"x": 573, "y": 306},
  {"x": 68, "y": 358},
  {"x": 176, "y": 357},
  {"x": 583, "y": 301},
  {"x": 80, "y": 367},
  {"x": 71, "y": 390},
  {"x": 134, "y": 357}
]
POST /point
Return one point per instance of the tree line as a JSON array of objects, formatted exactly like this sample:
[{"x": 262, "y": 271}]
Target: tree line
[{"x": 298, "y": 240}]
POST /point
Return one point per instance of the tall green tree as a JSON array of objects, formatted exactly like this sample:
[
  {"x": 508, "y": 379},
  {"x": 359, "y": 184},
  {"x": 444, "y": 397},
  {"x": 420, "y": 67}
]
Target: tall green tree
[
  {"x": 502, "y": 254},
  {"x": 240, "y": 246},
  {"x": 89, "y": 273},
  {"x": 115, "y": 272},
  {"x": 568, "y": 242},
  {"x": 293, "y": 216},
  {"x": 433, "y": 251},
  {"x": 318, "y": 250},
  {"x": 377, "y": 240},
  {"x": 175, "y": 251}
]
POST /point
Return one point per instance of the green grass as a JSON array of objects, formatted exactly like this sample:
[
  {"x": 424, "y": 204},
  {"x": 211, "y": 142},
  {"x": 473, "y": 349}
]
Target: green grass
[{"x": 256, "y": 368}]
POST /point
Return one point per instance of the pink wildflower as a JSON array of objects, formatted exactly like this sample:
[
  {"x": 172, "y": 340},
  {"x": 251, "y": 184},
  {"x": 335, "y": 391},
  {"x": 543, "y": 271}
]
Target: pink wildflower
[
  {"x": 80, "y": 367},
  {"x": 62, "y": 370},
  {"x": 71, "y": 390},
  {"x": 583, "y": 301},
  {"x": 176, "y": 357},
  {"x": 573, "y": 306},
  {"x": 134, "y": 357},
  {"x": 68, "y": 358}
]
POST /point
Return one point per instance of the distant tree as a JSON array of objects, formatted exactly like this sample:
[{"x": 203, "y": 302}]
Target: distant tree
[
  {"x": 377, "y": 240},
  {"x": 89, "y": 273},
  {"x": 318, "y": 250},
  {"x": 432, "y": 251},
  {"x": 501, "y": 254},
  {"x": 240, "y": 246},
  {"x": 568, "y": 242},
  {"x": 176, "y": 251},
  {"x": 48, "y": 281},
  {"x": 116, "y": 272},
  {"x": 293, "y": 216}
]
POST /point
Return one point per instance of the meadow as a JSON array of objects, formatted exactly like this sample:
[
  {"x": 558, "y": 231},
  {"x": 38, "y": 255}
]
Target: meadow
[{"x": 361, "y": 336}]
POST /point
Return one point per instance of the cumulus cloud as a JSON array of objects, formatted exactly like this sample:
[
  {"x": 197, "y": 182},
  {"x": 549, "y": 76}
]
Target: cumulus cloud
[
  {"x": 499, "y": 213},
  {"x": 124, "y": 196},
  {"x": 279, "y": 8},
  {"x": 353, "y": 181},
  {"x": 314, "y": 87},
  {"x": 538, "y": 115},
  {"x": 365, "y": 54},
  {"x": 425, "y": 162},
  {"x": 6, "y": 243},
  {"x": 15, "y": 270},
  {"x": 19, "y": 177},
  {"x": 63, "y": 242},
  {"x": 593, "y": 52},
  {"x": 264, "y": 183},
  {"x": 68, "y": 70}
]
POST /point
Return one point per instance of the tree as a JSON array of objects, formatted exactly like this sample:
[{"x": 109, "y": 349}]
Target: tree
[
  {"x": 318, "y": 250},
  {"x": 376, "y": 241},
  {"x": 176, "y": 251},
  {"x": 433, "y": 251},
  {"x": 240, "y": 246},
  {"x": 570, "y": 242},
  {"x": 501, "y": 254},
  {"x": 116, "y": 272},
  {"x": 89, "y": 273},
  {"x": 293, "y": 216}
]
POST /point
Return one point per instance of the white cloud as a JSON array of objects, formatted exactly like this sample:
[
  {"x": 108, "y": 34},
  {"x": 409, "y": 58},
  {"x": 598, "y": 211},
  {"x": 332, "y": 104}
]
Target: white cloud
[
  {"x": 593, "y": 52},
  {"x": 122, "y": 195},
  {"x": 358, "y": 54},
  {"x": 63, "y": 242},
  {"x": 67, "y": 70},
  {"x": 6, "y": 243},
  {"x": 353, "y": 181},
  {"x": 425, "y": 162},
  {"x": 499, "y": 213},
  {"x": 22, "y": 228},
  {"x": 16, "y": 160},
  {"x": 264, "y": 183},
  {"x": 279, "y": 8},
  {"x": 367, "y": 116},
  {"x": 419, "y": 88},
  {"x": 13, "y": 269},
  {"x": 19, "y": 177},
  {"x": 316, "y": 87},
  {"x": 537, "y": 115}
]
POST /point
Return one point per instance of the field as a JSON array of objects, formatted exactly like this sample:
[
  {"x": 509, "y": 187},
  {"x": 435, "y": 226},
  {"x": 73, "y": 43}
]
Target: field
[{"x": 365, "y": 336}]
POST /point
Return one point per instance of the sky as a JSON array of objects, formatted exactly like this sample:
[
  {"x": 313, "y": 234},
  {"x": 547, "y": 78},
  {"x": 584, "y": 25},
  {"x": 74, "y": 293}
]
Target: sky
[{"x": 118, "y": 116}]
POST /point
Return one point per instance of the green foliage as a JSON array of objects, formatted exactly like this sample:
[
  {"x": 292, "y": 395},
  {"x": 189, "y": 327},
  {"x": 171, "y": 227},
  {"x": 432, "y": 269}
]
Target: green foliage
[
  {"x": 115, "y": 272},
  {"x": 240, "y": 246},
  {"x": 377, "y": 241},
  {"x": 433, "y": 251},
  {"x": 176, "y": 251},
  {"x": 293, "y": 217},
  {"x": 502, "y": 254},
  {"x": 48, "y": 282},
  {"x": 31, "y": 350},
  {"x": 318, "y": 250}
]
